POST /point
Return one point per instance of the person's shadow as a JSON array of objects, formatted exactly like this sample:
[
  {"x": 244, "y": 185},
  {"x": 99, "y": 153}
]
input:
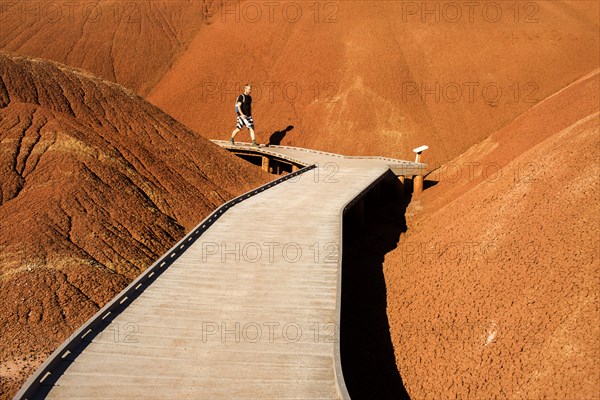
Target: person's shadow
[{"x": 277, "y": 137}]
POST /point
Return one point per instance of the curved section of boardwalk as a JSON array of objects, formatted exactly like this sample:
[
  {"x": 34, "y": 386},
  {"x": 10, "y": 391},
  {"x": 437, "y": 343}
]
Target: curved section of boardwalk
[
  {"x": 305, "y": 157},
  {"x": 249, "y": 310}
]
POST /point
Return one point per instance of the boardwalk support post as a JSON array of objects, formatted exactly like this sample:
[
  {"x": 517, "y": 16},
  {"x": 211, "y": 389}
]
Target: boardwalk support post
[
  {"x": 265, "y": 164},
  {"x": 401, "y": 179},
  {"x": 418, "y": 179},
  {"x": 417, "y": 184}
]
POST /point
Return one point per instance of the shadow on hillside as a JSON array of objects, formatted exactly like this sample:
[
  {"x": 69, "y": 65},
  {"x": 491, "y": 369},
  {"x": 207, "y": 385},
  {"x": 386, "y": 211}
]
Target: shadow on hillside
[
  {"x": 277, "y": 136},
  {"x": 367, "y": 354},
  {"x": 428, "y": 184}
]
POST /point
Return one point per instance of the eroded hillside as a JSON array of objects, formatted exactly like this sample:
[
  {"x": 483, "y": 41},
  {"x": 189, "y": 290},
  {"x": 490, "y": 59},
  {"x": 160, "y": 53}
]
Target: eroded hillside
[
  {"x": 376, "y": 77},
  {"x": 495, "y": 284},
  {"x": 96, "y": 184}
]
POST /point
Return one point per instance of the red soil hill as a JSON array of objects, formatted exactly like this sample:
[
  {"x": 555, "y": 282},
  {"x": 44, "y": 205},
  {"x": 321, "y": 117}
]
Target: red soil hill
[
  {"x": 95, "y": 184},
  {"x": 130, "y": 42},
  {"x": 495, "y": 286},
  {"x": 380, "y": 77},
  {"x": 376, "y": 77}
]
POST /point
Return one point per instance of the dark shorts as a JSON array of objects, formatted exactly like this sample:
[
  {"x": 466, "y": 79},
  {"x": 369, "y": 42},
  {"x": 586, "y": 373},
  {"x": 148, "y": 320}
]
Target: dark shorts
[{"x": 245, "y": 122}]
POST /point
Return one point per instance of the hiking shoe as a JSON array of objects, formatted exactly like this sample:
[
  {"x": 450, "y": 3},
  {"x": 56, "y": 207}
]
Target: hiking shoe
[
  {"x": 231, "y": 142},
  {"x": 254, "y": 144}
]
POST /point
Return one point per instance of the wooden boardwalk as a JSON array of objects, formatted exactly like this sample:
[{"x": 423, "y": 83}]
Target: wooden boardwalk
[
  {"x": 305, "y": 157},
  {"x": 249, "y": 309}
]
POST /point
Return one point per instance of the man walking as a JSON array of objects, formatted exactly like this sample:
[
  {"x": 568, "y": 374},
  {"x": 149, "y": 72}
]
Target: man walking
[{"x": 243, "y": 109}]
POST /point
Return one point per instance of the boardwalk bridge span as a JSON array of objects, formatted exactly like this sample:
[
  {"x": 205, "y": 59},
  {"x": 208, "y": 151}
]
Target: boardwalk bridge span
[{"x": 246, "y": 305}]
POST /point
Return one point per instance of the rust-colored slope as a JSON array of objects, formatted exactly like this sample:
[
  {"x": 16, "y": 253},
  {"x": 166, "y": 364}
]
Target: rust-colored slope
[
  {"x": 495, "y": 286},
  {"x": 96, "y": 183},
  {"x": 130, "y": 42},
  {"x": 349, "y": 76},
  {"x": 350, "y": 82}
]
